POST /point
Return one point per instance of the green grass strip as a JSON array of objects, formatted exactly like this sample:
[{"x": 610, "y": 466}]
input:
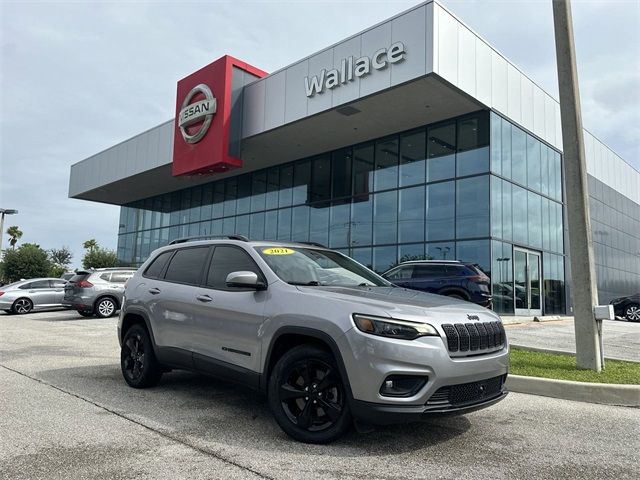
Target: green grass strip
[{"x": 563, "y": 367}]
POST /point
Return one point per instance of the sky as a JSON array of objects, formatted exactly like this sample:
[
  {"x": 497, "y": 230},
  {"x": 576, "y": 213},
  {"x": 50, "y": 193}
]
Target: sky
[{"x": 77, "y": 77}]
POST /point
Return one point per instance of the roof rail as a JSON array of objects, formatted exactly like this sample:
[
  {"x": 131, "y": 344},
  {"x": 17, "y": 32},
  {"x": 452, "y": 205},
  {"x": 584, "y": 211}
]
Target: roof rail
[
  {"x": 241, "y": 238},
  {"x": 313, "y": 244}
]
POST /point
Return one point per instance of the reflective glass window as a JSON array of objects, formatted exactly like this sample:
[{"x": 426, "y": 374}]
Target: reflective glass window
[
  {"x": 518, "y": 156},
  {"x": 300, "y": 224},
  {"x": 218, "y": 199},
  {"x": 361, "y": 220},
  {"x": 412, "y": 251},
  {"x": 363, "y": 169},
  {"x": 273, "y": 186},
  {"x": 341, "y": 173},
  {"x": 534, "y": 177},
  {"x": 496, "y": 144},
  {"x": 440, "y": 211},
  {"x": 244, "y": 194},
  {"x": 475, "y": 251},
  {"x": 319, "y": 224},
  {"x": 321, "y": 179},
  {"x": 385, "y": 217},
  {"x": 544, "y": 170},
  {"x": 386, "y": 171},
  {"x": 196, "y": 204},
  {"x": 230, "y": 196},
  {"x": 363, "y": 256},
  {"x": 519, "y": 212},
  {"x": 496, "y": 207},
  {"x": 507, "y": 211},
  {"x": 242, "y": 225},
  {"x": 441, "y": 148},
  {"x": 472, "y": 207},
  {"x": 473, "y": 145},
  {"x": 412, "y": 158},
  {"x": 534, "y": 208},
  {"x": 301, "y": 182},
  {"x": 284, "y": 224},
  {"x": 411, "y": 206},
  {"x": 256, "y": 226},
  {"x": 384, "y": 258},
  {"x": 440, "y": 251},
  {"x": 271, "y": 225},
  {"x": 258, "y": 191},
  {"x": 229, "y": 226},
  {"x": 206, "y": 212},
  {"x": 339, "y": 223},
  {"x": 506, "y": 148},
  {"x": 285, "y": 196}
]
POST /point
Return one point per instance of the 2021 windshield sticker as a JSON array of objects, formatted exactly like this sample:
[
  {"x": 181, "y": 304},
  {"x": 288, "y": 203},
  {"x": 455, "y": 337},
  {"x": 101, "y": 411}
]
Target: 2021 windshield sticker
[{"x": 278, "y": 251}]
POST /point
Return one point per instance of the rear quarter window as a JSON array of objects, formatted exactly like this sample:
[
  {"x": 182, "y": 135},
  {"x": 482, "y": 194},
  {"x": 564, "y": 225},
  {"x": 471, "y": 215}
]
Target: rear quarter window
[
  {"x": 121, "y": 277},
  {"x": 155, "y": 269}
]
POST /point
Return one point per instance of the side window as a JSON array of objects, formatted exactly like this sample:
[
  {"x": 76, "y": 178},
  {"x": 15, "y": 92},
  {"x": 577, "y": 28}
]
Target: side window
[
  {"x": 401, "y": 273},
  {"x": 106, "y": 277},
  {"x": 459, "y": 271},
  {"x": 157, "y": 266},
  {"x": 186, "y": 265},
  {"x": 39, "y": 284},
  {"x": 429, "y": 271},
  {"x": 26, "y": 286},
  {"x": 228, "y": 259},
  {"x": 121, "y": 277}
]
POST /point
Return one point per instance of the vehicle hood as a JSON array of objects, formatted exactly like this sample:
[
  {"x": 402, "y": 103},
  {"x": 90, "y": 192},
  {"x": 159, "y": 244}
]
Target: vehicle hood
[{"x": 403, "y": 303}]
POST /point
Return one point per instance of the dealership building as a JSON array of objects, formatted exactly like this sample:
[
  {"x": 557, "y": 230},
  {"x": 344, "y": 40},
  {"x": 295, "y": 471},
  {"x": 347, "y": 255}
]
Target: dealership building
[{"x": 412, "y": 139}]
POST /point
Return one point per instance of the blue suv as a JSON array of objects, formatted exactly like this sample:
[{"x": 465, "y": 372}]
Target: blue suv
[{"x": 452, "y": 278}]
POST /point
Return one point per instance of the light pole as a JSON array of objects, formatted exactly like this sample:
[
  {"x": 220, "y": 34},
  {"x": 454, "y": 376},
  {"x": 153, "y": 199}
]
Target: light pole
[{"x": 3, "y": 212}]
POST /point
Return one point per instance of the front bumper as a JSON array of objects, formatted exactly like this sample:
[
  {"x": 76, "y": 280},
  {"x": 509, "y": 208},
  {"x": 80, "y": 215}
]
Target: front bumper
[{"x": 369, "y": 360}]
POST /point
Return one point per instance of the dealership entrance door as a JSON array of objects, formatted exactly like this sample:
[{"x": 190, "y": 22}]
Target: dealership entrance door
[{"x": 527, "y": 282}]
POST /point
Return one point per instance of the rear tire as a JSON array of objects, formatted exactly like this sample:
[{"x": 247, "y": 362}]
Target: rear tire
[
  {"x": 632, "y": 312},
  {"x": 22, "y": 306},
  {"x": 105, "y": 307},
  {"x": 138, "y": 363},
  {"x": 307, "y": 396}
]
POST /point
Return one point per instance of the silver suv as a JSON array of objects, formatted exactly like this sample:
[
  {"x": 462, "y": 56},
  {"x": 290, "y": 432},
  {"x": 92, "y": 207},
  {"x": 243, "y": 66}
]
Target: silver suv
[
  {"x": 96, "y": 292},
  {"x": 325, "y": 338}
]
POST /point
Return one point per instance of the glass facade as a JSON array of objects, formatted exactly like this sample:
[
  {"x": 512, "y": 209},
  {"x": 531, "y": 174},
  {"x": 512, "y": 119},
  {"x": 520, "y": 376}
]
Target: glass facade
[
  {"x": 470, "y": 188},
  {"x": 615, "y": 229}
]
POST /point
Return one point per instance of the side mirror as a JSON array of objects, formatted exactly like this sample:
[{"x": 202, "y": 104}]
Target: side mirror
[{"x": 245, "y": 279}]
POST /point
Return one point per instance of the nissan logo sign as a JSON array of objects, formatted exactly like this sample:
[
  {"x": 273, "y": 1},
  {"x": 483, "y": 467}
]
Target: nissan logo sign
[{"x": 200, "y": 111}]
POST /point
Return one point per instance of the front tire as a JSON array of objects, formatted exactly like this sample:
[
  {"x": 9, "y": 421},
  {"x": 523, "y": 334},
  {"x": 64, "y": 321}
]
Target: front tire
[
  {"x": 105, "y": 307},
  {"x": 138, "y": 363},
  {"x": 632, "y": 312},
  {"x": 22, "y": 306},
  {"x": 307, "y": 396}
]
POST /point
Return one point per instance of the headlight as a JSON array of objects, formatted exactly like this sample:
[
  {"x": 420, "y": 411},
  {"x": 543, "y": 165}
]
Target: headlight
[{"x": 393, "y": 328}]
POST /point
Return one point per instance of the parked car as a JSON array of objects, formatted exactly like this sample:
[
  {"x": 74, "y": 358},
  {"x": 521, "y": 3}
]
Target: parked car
[
  {"x": 325, "y": 338},
  {"x": 67, "y": 276},
  {"x": 33, "y": 294},
  {"x": 627, "y": 307},
  {"x": 444, "y": 277},
  {"x": 97, "y": 292}
]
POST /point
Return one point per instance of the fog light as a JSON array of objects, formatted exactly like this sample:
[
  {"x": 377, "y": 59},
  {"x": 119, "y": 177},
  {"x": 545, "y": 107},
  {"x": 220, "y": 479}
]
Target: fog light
[{"x": 402, "y": 385}]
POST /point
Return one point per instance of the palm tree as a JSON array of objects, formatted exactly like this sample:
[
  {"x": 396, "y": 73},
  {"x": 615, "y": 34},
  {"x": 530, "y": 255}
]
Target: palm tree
[
  {"x": 90, "y": 245},
  {"x": 14, "y": 235}
]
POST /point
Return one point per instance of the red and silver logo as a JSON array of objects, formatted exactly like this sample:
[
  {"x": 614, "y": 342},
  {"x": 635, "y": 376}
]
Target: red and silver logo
[{"x": 195, "y": 118}]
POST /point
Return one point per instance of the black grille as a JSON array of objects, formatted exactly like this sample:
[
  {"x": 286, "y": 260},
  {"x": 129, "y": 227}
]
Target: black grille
[
  {"x": 467, "y": 393},
  {"x": 474, "y": 337}
]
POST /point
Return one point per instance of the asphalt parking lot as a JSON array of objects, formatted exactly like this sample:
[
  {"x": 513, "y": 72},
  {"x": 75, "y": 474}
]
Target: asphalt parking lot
[{"x": 65, "y": 412}]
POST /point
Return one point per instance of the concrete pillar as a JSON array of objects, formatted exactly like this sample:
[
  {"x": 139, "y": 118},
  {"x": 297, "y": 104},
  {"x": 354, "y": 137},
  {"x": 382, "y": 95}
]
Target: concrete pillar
[{"x": 585, "y": 291}]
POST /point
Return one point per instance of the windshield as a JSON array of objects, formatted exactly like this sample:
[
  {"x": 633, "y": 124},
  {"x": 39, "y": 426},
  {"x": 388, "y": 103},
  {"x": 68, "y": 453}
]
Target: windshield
[{"x": 305, "y": 266}]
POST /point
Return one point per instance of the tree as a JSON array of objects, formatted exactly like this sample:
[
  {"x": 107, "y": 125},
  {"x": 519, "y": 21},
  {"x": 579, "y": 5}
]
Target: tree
[
  {"x": 100, "y": 258},
  {"x": 27, "y": 261},
  {"x": 14, "y": 235},
  {"x": 60, "y": 259},
  {"x": 91, "y": 245}
]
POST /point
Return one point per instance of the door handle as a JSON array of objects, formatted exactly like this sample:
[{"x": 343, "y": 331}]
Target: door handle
[
  {"x": 204, "y": 298},
  {"x": 154, "y": 291}
]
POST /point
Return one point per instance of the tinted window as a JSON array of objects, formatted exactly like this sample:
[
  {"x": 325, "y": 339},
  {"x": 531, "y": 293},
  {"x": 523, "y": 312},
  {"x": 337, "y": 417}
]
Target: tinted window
[
  {"x": 38, "y": 284},
  {"x": 121, "y": 277},
  {"x": 228, "y": 259},
  {"x": 106, "y": 276},
  {"x": 422, "y": 271},
  {"x": 401, "y": 273},
  {"x": 459, "y": 271},
  {"x": 186, "y": 265},
  {"x": 79, "y": 277}
]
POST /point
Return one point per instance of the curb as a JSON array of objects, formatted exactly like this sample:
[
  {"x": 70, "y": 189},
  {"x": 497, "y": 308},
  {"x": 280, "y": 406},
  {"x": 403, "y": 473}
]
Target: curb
[
  {"x": 602, "y": 393},
  {"x": 562, "y": 352}
]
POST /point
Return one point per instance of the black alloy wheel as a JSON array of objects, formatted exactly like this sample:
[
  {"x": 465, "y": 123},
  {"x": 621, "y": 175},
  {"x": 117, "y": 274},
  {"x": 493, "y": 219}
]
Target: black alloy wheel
[
  {"x": 632, "y": 312},
  {"x": 307, "y": 396},
  {"x": 137, "y": 359},
  {"x": 22, "y": 306}
]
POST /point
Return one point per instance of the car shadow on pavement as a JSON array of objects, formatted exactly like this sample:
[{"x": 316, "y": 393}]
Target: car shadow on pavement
[{"x": 213, "y": 412}]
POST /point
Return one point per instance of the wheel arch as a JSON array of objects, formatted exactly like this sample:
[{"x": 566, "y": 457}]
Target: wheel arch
[
  {"x": 102, "y": 297},
  {"x": 286, "y": 338},
  {"x": 136, "y": 318},
  {"x": 454, "y": 290},
  {"x": 33, "y": 304}
]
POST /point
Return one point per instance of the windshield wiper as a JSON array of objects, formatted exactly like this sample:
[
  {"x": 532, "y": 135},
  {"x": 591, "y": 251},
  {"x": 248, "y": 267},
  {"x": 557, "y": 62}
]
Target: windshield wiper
[{"x": 312, "y": 283}]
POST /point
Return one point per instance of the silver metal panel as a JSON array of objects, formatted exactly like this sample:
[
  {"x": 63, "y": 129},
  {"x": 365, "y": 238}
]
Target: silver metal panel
[
  {"x": 350, "y": 91},
  {"x": 410, "y": 29},
  {"x": 513, "y": 93},
  {"x": 295, "y": 97},
  {"x": 483, "y": 71},
  {"x": 549, "y": 120},
  {"x": 558, "y": 122},
  {"x": 430, "y": 39},
  {"x": 253, "y": 110},
  {"x": 499, "y": 82},
  {"x": 320, "y": 101},
  {"x": 526, "y": 102},
  {"x": 274, "y": 100},
  {"x": 466, "y": 60},
  {"x": 538, "y": 111},
  {"x": 447, "y": 45},
  {"x": 372, "y": 40}
]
